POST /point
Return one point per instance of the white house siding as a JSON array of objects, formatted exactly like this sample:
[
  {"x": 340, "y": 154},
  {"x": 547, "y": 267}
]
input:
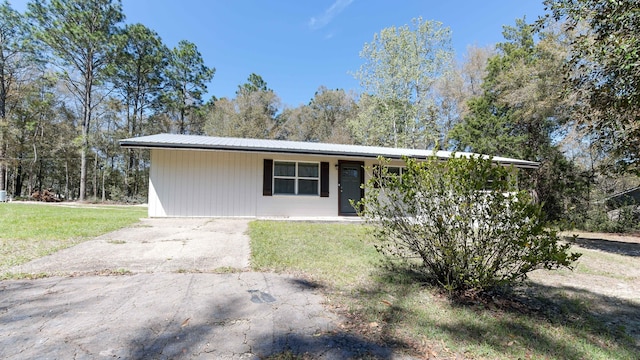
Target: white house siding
[
  {"x": 185, "y": 183},
  {"x": 203, "y": 183}
]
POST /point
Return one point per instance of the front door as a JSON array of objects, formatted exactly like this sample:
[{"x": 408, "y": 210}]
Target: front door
[{"x": 349, "y": 185}]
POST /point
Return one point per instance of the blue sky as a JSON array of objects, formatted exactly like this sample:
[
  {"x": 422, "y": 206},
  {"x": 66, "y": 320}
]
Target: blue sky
[{"x": 297, "y": 46}]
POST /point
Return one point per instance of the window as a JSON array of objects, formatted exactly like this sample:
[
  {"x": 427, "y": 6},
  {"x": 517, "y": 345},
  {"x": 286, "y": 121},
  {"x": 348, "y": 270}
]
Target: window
[
  {"x": 393, "y": 172},
  {"x": 296, "y": 178},
  {"x": 385, "y": 175}
]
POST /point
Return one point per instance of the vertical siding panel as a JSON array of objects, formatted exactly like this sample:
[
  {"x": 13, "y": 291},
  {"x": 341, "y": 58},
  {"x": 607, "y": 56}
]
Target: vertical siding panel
[
  {"x": 187, "y": 181},
  {"x": 231, "y": 179},
  {"x": 258, "y": 184},
  {"x": 176, "y": 168},
  {"x": 258, "y": 187},
  {"x": 175, "y": 178},
  {"x": 251, "y": 180},
  {"x": 223, "y": 184},
  {"x": 207, "y": 183},
  {"x": 177, "y": 189},
  {"x": 213, "y": 180},
  {"x": 161, "y": 189},
  {"x": 242, "y": 184},
  {"x": 245, "y": 174},
  {"x": 218, "y": 184},
  {"x": 193, "y": 207},
  {"x": 197, "y": 197},
  {"x": 202, "y": 180},
  {"x": 160, "y": 182},
  {"x": 259, "y": 159},
  {"x": 151, "y": 211},
  {"x": 229, "y": 185},
  {"x": 170, "y": 175},
  {"x": 212, "y": 186},
  {"x": 152, "y": 192},
  {"x": 192, "y": 171},
  {"x": 161, "y": 185},
  {"x": 235, "y": 196},
  {"x": 159, "y": 162},
  {"x": 203, "y": 194},
  {"x": 248, "y": 174},
  {"x": 243, "y": 164},
  {"x": 180, "y": 182},
  {"x": 252, "y": 190},
  {"x": 228, "y": 176}
]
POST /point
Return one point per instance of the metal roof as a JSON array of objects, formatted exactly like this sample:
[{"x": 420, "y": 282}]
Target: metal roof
[{"x": 197, "y": 142}]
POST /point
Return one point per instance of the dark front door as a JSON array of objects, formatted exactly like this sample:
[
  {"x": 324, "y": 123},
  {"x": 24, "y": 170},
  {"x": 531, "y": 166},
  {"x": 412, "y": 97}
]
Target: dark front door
[{"x": 350, "y": 179}]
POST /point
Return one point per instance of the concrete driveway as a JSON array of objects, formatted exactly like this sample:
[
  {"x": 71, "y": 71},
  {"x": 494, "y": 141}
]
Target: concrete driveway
[
  {"x": 179, "y": 289},
  {"x": 155, "y": 245}
]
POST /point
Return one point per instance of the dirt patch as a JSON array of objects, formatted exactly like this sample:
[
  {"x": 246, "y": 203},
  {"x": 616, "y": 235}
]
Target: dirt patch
[{"x": 606, "y": 279}]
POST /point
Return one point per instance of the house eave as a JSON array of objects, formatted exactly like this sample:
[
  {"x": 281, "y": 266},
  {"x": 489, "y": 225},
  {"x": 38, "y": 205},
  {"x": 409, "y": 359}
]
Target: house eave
[
  {"x": 136, "y": 143},
  {"x": 263, "y": 150}
]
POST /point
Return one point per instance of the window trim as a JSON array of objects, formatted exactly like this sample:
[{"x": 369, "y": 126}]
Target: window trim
[
  {"x": 296, "y": 178},
  {"x": 401, "y": 170}
]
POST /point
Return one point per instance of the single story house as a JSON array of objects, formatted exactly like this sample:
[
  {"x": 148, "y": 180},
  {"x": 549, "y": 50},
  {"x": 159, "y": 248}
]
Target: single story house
[{"x": 205, "y": 176}]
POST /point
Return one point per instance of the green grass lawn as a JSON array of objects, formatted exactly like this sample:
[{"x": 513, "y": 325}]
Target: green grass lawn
[
  {"x": 540, "y": 322},
  {"x": 29, "y": 231}
]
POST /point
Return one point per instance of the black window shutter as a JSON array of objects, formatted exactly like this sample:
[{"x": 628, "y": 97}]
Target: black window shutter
[
  {"x": 267, "y": 182},
  {"x": 324, "y": 179}
]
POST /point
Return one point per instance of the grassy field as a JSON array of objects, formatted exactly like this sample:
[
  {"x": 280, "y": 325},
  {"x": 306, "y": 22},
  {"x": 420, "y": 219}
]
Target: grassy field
[
  {"x": 29, "y": 231},
  {"x": 553, "y": 318}
]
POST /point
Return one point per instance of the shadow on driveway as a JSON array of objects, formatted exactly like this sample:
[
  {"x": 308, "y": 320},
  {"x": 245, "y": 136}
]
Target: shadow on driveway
[
  {"x": 173, "y": 316},
  {"x": 173, "y": 305}
]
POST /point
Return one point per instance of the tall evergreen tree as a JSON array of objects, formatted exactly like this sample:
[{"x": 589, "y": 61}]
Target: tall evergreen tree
[
  {"x": 13, "y": 32},
  {"x": 187, "y": 78},
  {"x": 252, "y": 114},
  {"x": 80, "y": 35},
  {"x": 137, "y": 76}
]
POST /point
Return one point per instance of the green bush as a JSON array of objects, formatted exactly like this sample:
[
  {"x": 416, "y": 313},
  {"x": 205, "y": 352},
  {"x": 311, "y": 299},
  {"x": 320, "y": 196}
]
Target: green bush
[
  {"x": 627, "y": 220},
  {"x": 461, "y": 223}
]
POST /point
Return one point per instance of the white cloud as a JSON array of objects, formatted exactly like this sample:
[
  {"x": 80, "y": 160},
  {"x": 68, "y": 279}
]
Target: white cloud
[{"x": 334, "y": 10}]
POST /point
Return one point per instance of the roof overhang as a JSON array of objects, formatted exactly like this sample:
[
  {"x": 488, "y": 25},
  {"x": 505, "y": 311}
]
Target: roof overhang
[{"x": 210, "y": 143}]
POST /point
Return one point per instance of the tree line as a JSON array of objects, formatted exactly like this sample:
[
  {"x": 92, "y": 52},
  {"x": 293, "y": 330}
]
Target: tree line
[{"x": 562, "y": 90}]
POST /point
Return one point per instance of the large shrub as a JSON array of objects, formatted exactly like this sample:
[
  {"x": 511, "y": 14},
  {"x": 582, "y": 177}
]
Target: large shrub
[{"x": 461, "y": 223}]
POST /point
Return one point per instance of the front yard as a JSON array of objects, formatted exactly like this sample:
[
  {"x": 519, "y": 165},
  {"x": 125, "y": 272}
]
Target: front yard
[
  {"x": 591, "y": 313},
  {"x": 33, "y": 230}
]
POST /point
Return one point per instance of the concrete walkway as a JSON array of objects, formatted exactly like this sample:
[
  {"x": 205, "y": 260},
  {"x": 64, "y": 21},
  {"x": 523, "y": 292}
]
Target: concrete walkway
[{"x": 173, "y": 304}]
